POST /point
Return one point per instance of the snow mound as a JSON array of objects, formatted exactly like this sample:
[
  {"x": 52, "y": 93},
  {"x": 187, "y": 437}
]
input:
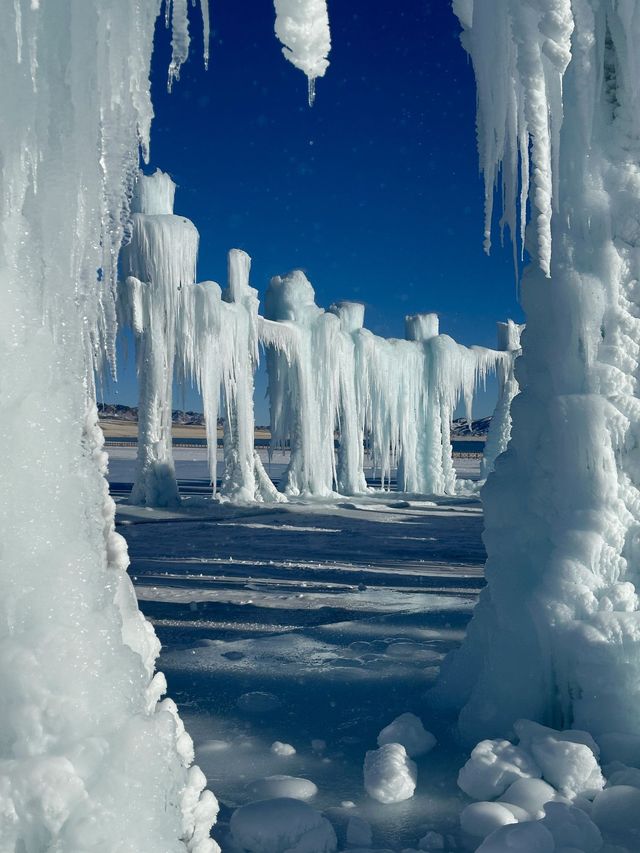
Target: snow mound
[
  {"x": 530, "y": 795},
  {"x": 277, "y": 787},
  {"x": 616, "y": 813},
  {"x": 280, "y": 825},
  {"x": 572, "y": 828},
  {"x": 519, "y": 838},
  {"x": 493, "y": 766},
  {"x": 408, "y": 730},
  {"x": 481, "y": 819},
  {"x": 389, "y": 774}
]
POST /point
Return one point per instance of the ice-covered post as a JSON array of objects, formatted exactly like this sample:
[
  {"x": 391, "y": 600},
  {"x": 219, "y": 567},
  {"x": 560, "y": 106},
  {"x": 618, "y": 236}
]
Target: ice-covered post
[
  {"x": 244, "y": 478},
  {"x": 157, "y": 263},
  {"x": 350, "y": 466},
  {"x": 500, "y": 426},
  {"x": 303, "y": 394},
  {"x": 556, "y": 635}
]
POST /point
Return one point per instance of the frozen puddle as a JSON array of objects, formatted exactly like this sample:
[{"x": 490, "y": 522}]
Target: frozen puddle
[{"x": 292, "y": 635}]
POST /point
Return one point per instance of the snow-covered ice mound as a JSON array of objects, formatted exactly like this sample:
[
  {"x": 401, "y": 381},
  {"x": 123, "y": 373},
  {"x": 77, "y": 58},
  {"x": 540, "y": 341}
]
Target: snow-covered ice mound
[
  {"x": 389, "y": 774},
  {"x": 408, "y": 730},
  {"x": 275, "y": 787},
  {"x": 280, "y": 825}
]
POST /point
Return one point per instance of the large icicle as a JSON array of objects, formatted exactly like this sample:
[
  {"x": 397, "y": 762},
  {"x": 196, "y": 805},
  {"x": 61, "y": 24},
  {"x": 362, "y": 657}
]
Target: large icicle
[
  {"x": 556, "y": 635},
  {"x": 500, "y": 427},
  {"x": 302, "y": 26},
  {"x": 157, "y": 263},
  {"x": 89, "y": 758}
]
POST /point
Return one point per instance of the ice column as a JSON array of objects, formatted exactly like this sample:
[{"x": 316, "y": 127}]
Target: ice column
[
  {"x": 304, "y": 394},
  {"x": 500, "y": 427},
  {"x": 556, "y": 635},
  {"x": 89, "y": 757},
  {"x": 350, "y": 465},
  {"x": 157, "y": 263}
]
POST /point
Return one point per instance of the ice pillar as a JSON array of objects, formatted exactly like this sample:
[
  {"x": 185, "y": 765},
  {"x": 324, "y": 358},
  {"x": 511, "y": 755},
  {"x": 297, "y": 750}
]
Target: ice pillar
[{"x": 157, "y": 263}]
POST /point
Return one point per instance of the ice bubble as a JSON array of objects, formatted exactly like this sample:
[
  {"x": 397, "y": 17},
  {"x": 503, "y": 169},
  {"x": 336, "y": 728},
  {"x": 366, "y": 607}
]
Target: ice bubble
[
  {"x": 277, "y": 787},
  {"x": 389, "y": 774},
  {"x": 408, "y": 730},
  {"x": 258, "y": 702},
  {"x": 493, "y": 766},
  {"x": 276, "y": 826},
  {"x": 481, "y": 819},
  {"x": 280, "y": 748}
]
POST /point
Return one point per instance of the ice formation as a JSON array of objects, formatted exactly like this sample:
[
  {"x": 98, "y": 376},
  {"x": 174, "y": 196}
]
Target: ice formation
[
  {"x": 500, "y": 426},
  {"x": 157, "y": 264},
  {"x": 556, "y": 634},
  {"x": 408, "y": 730},
  {"x": 389, "y": 774},
  {"x": 343, "y": 383},
  {"x": 302, "y": 27},
  {"x": 280, "y": 825},
  {"x": 89, "y": 758}
]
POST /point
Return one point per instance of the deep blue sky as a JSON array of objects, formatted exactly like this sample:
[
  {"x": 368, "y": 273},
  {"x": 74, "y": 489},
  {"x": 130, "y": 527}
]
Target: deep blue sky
[{"x": 374, "y": 192}]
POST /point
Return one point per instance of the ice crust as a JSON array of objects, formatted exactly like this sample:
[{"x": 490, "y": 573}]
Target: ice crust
[{"x": 90, "y": 758}]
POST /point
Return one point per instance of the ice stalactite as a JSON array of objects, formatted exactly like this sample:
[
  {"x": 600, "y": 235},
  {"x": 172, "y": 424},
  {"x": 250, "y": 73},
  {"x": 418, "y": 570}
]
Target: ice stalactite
[
  {"x": 500, "y": 427},
  {"x": 556, "y": 634},
  {"x": 302, "y": 26},
  {"x": 304, "y": 392},
  {"x": 89, "y": 756},
  {"x": 157, "y": 264},
  {"x": 350, "y": 479}
]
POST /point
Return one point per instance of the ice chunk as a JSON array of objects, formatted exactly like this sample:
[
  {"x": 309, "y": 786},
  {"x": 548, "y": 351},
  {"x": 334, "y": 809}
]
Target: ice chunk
[
  {"x": 493, "y": 766},
  {"x": 530, "y": 837},
  {"x": 280, "y": 825},
  {"x": 280, "y": 748},
  {"x": 408, "y": 730},
  {"x": 276, "y": 787},
  {"x": 530, "y": 794},
  {"x": 571, "y": 828},
  {"x": 389, "y": 774},
  {"x": 302, "y": 26},
  {"x": 616, "y": 813},
  {"x": 481, "y": 819}
]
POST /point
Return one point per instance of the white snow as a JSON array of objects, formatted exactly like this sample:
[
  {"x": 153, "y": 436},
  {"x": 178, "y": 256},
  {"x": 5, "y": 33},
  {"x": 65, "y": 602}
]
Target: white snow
[
  {"x": 284, "y": 749},
  {"x": 408, "y": 730},
  {"x": 481, "y": 819},
  {"x": 389, "y": 774},
  {"x": 493, "y": 766}
]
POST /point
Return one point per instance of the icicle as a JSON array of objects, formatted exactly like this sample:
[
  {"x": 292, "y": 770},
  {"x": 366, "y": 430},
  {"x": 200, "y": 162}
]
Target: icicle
[
  {"x": 179, "y": 39},
  {"x": 302, "y": 26},
  {"x": 206, "y": 27}
]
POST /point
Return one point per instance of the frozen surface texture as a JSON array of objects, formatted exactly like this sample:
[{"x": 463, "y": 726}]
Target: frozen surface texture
[
  {"x": 556, "y": 636},
  {"x": 89, "y": 757},
  {"x": 302, "y": 26}
]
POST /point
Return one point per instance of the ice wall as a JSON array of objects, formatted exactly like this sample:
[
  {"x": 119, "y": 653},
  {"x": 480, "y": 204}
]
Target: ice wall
[
  {"x": 500, "y": 427},
  {"x": 89, "y": 758},
  {"x": 157, "y": 263},
  {"x": 556, "y": 635}
]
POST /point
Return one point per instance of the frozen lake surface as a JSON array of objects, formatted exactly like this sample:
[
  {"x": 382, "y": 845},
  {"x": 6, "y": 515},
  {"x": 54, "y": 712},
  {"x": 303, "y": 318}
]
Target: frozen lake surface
[{"x": 338, "y": 613}]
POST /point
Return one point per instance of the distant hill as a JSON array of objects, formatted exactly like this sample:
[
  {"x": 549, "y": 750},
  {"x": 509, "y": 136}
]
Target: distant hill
[
  {"x": 115, "y": 411},
  {"x": 479, "y": 427}
]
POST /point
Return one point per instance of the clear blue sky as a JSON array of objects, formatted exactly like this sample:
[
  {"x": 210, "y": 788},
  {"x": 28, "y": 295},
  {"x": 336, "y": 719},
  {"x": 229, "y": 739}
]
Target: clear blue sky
[{"x": 374, "y": 192}]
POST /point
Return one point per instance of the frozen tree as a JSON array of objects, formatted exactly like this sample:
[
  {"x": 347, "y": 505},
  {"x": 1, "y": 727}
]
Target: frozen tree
[
  {"x": 89, "y": 757},
  {"x": 302, "y": 26},
  {"x": 500, "y": 426},
  {"x": 157, "y": 263},
  {"x": 556, "y": 635}
]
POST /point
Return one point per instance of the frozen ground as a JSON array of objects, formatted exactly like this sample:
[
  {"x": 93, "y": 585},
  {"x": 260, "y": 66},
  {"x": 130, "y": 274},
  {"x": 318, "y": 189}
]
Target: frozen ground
[{"x": 340, "y": 613}]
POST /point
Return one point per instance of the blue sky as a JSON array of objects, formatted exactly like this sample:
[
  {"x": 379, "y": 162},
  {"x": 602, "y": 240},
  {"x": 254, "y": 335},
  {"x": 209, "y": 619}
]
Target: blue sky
[{"x": 374, "y": 192}]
